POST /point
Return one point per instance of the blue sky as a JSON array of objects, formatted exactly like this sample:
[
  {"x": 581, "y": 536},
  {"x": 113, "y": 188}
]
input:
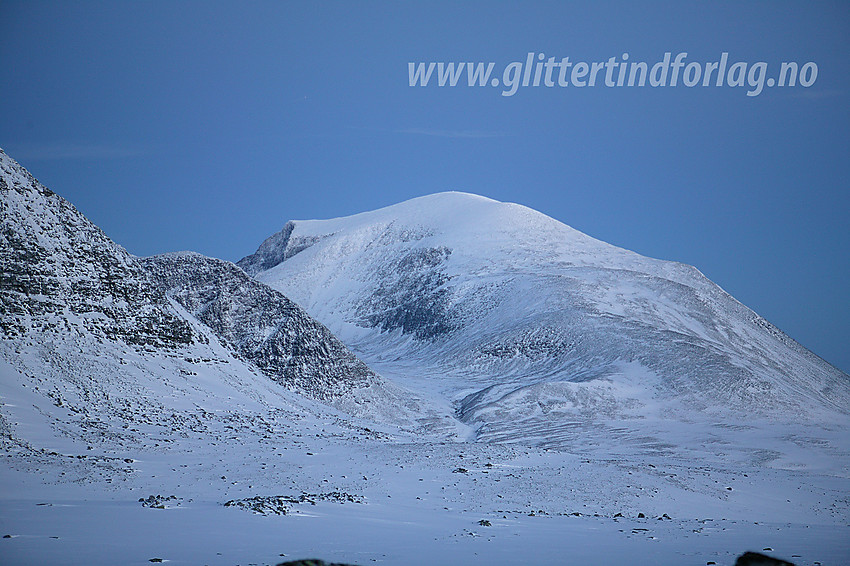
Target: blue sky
[{"x": 207, "y": 125}]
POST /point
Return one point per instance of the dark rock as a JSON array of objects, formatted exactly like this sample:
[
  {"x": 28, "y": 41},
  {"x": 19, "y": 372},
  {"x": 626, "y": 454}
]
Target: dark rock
[
  {"x": 281, "y": 504},
  {"x": 411, "y": 296},
  {"x": 312, "y": 562},
  {"x": 159, "y": 501},
  {"x": 758, "y": 559},
  {"x": 275, "y": 249}
]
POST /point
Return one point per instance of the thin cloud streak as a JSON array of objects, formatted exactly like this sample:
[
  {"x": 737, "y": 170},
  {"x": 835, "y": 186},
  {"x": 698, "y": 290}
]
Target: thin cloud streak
[
  {"x": 818, "y": 94},
  {"x": 469, "y": 134},
  {"x": 59, "y": 151}
]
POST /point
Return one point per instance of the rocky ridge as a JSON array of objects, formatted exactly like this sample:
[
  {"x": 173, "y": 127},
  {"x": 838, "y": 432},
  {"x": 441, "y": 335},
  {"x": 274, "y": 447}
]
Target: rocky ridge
[{"x": 260, "y": 325}]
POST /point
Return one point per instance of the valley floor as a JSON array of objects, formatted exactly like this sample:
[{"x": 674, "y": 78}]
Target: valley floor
[{"x": 355, "y": 494}]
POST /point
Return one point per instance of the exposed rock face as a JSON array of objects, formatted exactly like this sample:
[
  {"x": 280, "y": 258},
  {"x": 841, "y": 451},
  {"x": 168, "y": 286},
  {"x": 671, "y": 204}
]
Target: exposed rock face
[
  {"x": 260, "y": 324},
  {"x": 411, "y": 296},
  {"x": 275, "y": 249},
  {"x": 59, "y": 272}
]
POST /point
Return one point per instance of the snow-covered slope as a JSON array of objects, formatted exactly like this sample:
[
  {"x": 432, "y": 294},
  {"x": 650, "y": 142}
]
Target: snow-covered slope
[{"x": 530, "y": 327}]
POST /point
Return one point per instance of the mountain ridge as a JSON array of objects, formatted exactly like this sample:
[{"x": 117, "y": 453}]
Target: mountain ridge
[
  {"x": 59, "y": 266},
  {"x": 260, "y": 324}
]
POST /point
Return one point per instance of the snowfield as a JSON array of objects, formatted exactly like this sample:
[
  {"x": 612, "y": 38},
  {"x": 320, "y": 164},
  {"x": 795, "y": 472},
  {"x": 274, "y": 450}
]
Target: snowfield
[{"x": 504, "y": 390}]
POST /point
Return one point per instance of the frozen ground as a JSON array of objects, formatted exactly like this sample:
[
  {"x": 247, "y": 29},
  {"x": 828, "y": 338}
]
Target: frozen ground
[{"x": 387, "y": 495}]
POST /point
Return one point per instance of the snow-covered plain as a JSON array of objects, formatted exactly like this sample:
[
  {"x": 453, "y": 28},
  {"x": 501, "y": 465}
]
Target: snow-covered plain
[
  {"x": 529, "y": 441},
  {"x": 71, "y": 493}
]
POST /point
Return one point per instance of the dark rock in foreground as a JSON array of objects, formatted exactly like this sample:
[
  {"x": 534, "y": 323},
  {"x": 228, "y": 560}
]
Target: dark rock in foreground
[{"x": 758, "y": 559}]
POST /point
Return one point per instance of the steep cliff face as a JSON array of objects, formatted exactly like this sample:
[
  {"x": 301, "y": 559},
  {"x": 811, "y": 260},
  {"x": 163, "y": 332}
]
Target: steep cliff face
[
  {"x": 60, "y": 272},
  {"x": 260, "y": 325}
]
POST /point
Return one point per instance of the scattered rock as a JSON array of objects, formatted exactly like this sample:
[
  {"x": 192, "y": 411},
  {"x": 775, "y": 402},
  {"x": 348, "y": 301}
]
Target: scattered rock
[
  {"x": 160, "y": 501},
  {"x": 281, "y": 504}
]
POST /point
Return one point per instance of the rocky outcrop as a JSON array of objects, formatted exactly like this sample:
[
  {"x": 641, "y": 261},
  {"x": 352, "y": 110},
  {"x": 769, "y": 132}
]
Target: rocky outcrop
[
  {"x": 759, "y": 559},
  {"x": 275, "y": 249}
]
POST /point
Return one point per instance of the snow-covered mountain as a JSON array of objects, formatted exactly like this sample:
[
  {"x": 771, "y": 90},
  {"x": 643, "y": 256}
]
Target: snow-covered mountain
[
  {"x": 530, "y": 328},
  {"x": 263, "y": 327}
]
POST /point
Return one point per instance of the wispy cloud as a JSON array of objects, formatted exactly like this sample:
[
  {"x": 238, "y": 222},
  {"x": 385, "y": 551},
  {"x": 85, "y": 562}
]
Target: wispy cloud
[
  {"x": 57, "y": 151},
  {"x": 451, "y": 133},
  {"x": 818, "y": 94}
]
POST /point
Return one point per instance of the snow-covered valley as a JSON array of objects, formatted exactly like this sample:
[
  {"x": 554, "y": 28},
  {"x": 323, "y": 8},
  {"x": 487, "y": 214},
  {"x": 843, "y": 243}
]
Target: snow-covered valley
[{"x": 459, "y": 381}]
